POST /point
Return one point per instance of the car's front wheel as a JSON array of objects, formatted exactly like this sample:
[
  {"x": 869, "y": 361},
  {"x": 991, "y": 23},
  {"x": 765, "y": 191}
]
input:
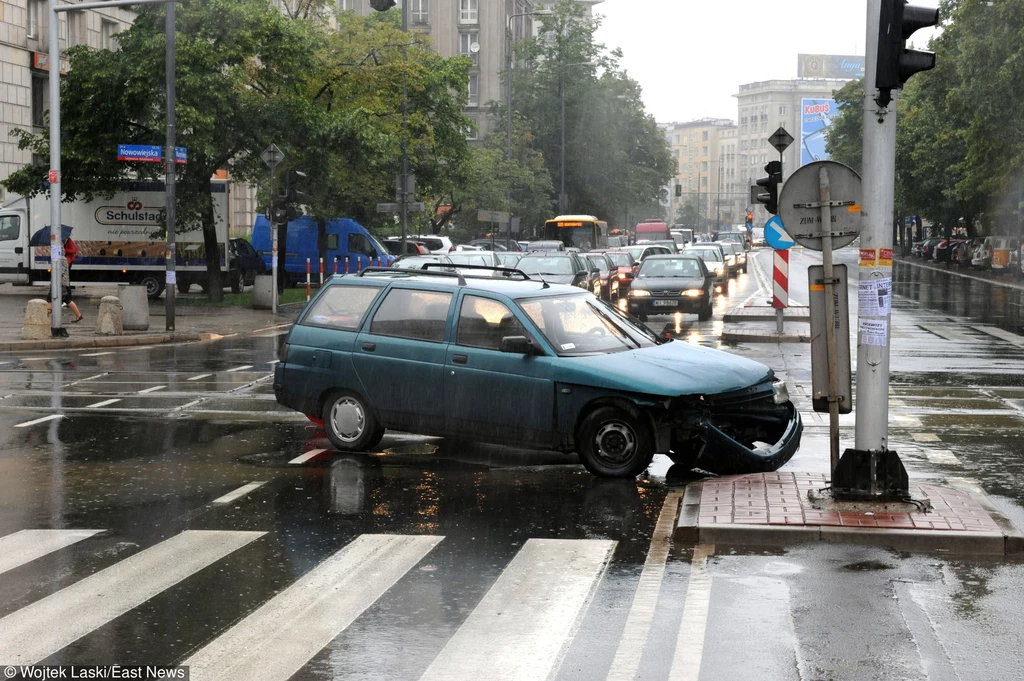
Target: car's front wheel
[
  {"x": 613, "y": 444},
  {"x": 350, "y": 423},
  {"x": 707, "y": 309}
]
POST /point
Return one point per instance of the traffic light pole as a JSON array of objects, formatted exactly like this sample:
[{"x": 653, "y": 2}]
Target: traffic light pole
[{"x": 273, "y": 243}]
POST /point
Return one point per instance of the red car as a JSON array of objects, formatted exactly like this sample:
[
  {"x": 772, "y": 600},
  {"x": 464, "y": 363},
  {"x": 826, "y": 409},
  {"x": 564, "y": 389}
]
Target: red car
[{"x": 626, "y": 268}]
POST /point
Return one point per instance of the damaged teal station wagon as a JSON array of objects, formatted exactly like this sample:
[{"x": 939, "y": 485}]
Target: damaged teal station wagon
[{"x": 516, "y": 361}]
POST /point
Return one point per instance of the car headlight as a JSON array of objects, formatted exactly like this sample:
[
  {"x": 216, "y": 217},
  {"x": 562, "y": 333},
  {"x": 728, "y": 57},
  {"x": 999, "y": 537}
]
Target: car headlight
[
  {"x": 622, "y": 275},
  {"x": 719, "y": 269},
  {"x": 639, "y": 293},
  {"x": 693, "y": 293},
  {"x": 781, "y": 392}
]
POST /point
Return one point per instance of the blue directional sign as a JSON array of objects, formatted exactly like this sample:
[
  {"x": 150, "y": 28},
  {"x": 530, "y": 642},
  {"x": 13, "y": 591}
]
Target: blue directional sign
[{"x": 775, "y": 235}]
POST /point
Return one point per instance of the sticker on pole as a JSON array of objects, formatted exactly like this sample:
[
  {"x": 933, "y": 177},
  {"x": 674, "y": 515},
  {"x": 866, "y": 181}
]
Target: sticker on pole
[
  {"x": 775, "y": 235},
  {"x": 54, "y": 176}
]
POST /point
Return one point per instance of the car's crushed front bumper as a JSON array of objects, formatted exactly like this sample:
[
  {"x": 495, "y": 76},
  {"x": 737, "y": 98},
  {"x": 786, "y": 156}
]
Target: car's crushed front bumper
[{"x": 753, "y": 430}]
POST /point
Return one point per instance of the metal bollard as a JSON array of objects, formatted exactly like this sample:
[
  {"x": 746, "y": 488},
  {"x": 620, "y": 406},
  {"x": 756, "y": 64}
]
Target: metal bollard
[
  {"x": 307, "y": 280},
  {"x": 321, "y": 272}
]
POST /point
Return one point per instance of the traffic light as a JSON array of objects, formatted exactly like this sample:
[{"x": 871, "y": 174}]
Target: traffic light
[
  {"x": 896, "y": 64},
  {"x": 278, "y": 210},
  {"x": 750, "y": 218},
  {"x": 771, "y": 183},
  {"x": 293, "y": 196},
  {"x": 679, "y": 190}
]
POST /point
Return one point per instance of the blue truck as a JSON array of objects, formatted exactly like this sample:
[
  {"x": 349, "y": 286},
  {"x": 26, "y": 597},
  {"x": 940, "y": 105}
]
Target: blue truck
[{"x": 345, "y": 241}]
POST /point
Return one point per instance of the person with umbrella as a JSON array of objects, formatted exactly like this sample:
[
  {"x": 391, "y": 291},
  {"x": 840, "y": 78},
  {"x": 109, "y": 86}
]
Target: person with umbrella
[{"x": 70, "y": 251}]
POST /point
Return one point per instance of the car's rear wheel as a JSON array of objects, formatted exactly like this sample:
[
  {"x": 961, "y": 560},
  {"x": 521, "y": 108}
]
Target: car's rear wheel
[
  {"x": 350, "y": 423},
  {"x": 613, "y": 444}
]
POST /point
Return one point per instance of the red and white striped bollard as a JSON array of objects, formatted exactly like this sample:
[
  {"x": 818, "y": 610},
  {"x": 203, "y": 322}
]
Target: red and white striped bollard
[
  {"x": 307, "y": 280},
  {"x": 780, "y": 288}
]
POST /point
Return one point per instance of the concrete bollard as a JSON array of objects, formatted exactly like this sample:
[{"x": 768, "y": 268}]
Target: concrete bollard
[
  {"x": 109, "y": 321},
  {"x": 263, "y": 292},
  {"x": 134, "y": 307},
  {"x": 37, "y": 321}
]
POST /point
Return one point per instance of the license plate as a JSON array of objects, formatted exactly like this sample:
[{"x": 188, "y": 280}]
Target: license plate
[{"x": 664, "y": 303}]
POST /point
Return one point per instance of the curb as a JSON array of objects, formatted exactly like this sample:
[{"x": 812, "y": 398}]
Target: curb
[
  {"x": 762, "y": 337},
  {"x": 688, "y": 531},
  {"x": 111, "y": 342},
  {"x": 739, "y": 314}
]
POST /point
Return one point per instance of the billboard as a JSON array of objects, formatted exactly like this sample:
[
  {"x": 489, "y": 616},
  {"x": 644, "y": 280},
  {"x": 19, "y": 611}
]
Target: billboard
[
  {"x": 843, "y": 66},
  {"x": 816, "y": 115}
]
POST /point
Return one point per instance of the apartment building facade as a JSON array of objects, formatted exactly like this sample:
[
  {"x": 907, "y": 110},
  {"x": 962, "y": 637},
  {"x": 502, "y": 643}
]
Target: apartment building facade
[{"x": 705, "y": 156}]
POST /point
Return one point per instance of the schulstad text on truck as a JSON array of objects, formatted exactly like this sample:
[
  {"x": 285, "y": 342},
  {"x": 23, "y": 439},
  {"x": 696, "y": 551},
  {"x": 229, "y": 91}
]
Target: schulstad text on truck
[{"x": 120, "y": 239}]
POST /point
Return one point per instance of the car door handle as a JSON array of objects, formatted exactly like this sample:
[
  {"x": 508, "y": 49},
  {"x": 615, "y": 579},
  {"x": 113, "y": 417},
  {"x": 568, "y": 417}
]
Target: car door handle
[
  {"x": 370, "y": 347},
  {"x": 460, "y": 359}
]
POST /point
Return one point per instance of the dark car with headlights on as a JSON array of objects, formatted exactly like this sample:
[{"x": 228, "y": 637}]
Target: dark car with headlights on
[
  {"x": 738, "y": 253},
  {"x": 626, "y": 268},
  {"x": 525, "y": 363},
  {"x": 667, "y": 284},
  {"x": 607, "y": 271}
]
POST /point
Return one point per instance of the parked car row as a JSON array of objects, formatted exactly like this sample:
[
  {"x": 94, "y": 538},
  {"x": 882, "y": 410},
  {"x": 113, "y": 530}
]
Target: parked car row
[{"x": 995, "y": 252}]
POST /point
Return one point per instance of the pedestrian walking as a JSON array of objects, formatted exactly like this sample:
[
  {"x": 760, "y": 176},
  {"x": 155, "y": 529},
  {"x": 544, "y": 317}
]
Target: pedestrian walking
[{"x": 70, "y": 252}]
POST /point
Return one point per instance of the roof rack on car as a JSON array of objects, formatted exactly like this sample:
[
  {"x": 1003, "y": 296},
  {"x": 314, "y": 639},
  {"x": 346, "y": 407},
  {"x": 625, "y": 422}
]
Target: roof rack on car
[
  {"x": 420, "y": 272},
  {"x": 509, "y": 270}
]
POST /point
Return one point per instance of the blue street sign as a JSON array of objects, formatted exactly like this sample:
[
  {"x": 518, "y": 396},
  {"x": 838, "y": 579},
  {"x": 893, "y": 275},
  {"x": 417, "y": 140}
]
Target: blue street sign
[
  {"x": 775, "y": 235},
  {"x": 139, "y": 152},
  {"x": 149, "y": 153}
]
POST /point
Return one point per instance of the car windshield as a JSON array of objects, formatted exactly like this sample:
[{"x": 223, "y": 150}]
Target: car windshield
[
  {"x": 619, "y": 259},
  {"x": 583, "y": 325},
  {"x": 550, "y": 265},
  {"x": 707, "y": 254},
  {"x": 659, "y": 268}
]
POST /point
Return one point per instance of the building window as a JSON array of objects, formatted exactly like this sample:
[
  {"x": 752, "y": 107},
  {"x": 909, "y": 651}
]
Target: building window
[
  {"x": 77, "y": 28},
  {"x": 469, "y": 11},
  {"x": 346, "y": 5},
  {"x": 466, "y": 42},
  {"x": 40, "y": 98},
  {"x": 420, "y": 11},
  {"x": 474, "y": 90},
  {"x": 109, "y": 30},
  {"x": 33, "y": 18},
  {"x": 704, "y": 136},
  {"x": 474, "y": 129},
  {"x": 782, "y": 111}
]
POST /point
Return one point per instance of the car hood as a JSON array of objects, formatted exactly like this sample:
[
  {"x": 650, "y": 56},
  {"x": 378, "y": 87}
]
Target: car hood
[
  {"x": 669, "y": 370},
  {"x": 668, "y": 283}
]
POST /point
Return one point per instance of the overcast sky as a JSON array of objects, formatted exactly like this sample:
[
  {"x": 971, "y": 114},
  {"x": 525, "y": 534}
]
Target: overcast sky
[{"x": 691, "y": 56}]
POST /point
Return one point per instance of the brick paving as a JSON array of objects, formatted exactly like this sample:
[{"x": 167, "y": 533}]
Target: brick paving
[{"x": 781, "y": 499}]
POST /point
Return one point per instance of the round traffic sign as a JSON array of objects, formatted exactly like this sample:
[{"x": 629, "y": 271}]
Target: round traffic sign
[
  {"x": 775, "y": 234},
  {"x": 800, "y": 204}
]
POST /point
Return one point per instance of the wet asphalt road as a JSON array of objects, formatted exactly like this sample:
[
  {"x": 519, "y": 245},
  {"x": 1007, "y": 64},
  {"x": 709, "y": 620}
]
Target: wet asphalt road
[{"x": 439, "y": 560}]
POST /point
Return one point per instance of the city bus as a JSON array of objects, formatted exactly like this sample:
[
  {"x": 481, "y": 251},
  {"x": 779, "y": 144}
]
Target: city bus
[{"x": 577, "y": 231}]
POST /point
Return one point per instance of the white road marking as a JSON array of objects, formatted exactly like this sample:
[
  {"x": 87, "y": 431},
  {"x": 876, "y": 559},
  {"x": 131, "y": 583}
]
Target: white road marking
[
  {"x": 51, "y": 417},
  {"x": 690, "y": 642},
  {"x": 311, "y": 454},
  {"x": 522, "y": 626},
  {"x": 925, "y": 437},
  {"x": 241, "y": 368},
  {"x": 37, "y": 359},
  {"x": 238, "y": 493},
  {"x": 275, "y": 641},
  {"x": 641, "y": 613},
  {"x": 948, "y": 334},
  {"x": 104, "y": 403},
  {"x": 44, "y": 627},
  {"x": 27, "y": 545},
  {"x": 83, "y": 380},
  {"x": 96, "y": 354},
  {"x": 274, "y": 361},
  {"x": 942, "y": 456},
  {"x": 153, "y": 389},
  {"x": 186, "y": 406},
  {"x": 200, "y": 376},
  {"x": 1007, "y": 336}
]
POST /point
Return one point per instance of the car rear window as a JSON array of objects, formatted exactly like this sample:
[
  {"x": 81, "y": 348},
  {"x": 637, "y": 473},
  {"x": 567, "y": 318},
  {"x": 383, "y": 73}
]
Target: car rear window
[
  {"x": 433, "y": 244},
  {"x": 484, "y": 322},
  {"x": 619, "y": 259},
  {"x": 408, "y": 313},
  {"x": 341, "y": 307},
  {"x": 706, "y": 254},
  {"x": 554, "y": 265}
]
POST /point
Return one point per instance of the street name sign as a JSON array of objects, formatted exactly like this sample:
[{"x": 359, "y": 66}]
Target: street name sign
[{"x": 800, "y": 205}]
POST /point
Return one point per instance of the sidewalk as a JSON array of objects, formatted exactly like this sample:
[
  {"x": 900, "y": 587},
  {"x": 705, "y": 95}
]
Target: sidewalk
[
  {"x": 756, "y": 324},
  {"x": 782, "y": 508},
  {"x": 986, "y": 276},
  {"x": 192, "y": 322}
]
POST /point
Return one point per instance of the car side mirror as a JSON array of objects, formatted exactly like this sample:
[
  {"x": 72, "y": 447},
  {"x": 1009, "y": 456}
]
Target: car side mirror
[{"x": 518, "y": 345}]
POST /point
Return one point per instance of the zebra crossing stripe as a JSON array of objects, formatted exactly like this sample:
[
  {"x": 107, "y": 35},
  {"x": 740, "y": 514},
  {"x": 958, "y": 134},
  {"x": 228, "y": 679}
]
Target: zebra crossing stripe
[
  {"x": 689, "y": 651},
  {"x": 39, "y": 630},
  {"x": 27, "y": 545},
  {"x": 275, "y": 641},
  {"x": 524, "y": 623}
]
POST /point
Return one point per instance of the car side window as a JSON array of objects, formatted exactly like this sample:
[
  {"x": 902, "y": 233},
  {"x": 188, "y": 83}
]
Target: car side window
[
  {"x": 341, "y": 307},
  {"x": 10, "y": 227},
  {"x": 359, "y": 244},
  {"x": 408, "y": 313},
  {"x": 484, "y": 322}
]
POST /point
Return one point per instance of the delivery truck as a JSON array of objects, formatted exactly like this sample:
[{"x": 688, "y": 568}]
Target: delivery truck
[{"x": 120, "y": 239}]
